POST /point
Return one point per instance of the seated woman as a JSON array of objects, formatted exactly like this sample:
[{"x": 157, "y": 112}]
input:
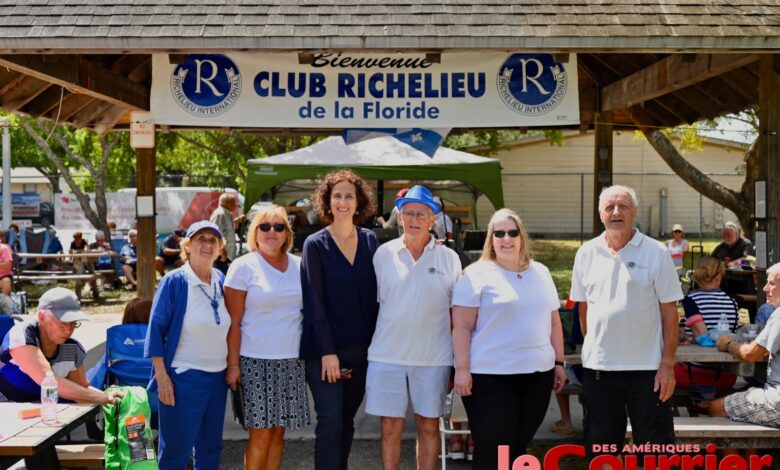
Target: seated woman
[{"x": 703, "y": 310}]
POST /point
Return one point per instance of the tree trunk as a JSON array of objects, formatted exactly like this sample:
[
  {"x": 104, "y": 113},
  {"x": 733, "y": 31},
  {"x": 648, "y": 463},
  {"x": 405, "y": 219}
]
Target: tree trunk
[{"x": 738, "y": 202}]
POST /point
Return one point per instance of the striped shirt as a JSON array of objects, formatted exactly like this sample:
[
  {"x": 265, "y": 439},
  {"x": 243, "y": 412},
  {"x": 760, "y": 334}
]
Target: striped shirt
[{"x": 711, "y": 304}]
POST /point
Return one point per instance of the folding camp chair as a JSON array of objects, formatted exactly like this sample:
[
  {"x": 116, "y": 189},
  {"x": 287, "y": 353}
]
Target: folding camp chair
[{"x": 446, "y": 427}]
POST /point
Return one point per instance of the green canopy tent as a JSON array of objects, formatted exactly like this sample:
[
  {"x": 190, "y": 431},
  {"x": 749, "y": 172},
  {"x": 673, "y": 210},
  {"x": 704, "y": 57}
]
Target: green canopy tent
[{"x": 457, "y": 176}]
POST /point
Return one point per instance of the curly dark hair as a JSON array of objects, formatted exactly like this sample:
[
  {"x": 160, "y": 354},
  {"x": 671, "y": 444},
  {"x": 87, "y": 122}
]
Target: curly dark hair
[{"x": 321, "y": 196}]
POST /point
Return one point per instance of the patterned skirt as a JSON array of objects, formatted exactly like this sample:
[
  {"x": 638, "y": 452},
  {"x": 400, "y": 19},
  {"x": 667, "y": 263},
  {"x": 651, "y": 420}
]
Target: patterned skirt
[{"x": 275, "y": 393}]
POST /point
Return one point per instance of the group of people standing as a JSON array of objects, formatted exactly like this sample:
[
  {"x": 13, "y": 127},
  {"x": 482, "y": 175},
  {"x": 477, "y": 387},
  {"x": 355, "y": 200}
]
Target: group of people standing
[{"x": 352, "y": 320}]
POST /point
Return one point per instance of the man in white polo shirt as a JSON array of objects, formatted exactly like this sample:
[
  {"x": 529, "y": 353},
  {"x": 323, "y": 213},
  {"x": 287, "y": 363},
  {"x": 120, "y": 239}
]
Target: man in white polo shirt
[
  {"x": 628, "y": 291},
  {"x": 411, "y": 351}
]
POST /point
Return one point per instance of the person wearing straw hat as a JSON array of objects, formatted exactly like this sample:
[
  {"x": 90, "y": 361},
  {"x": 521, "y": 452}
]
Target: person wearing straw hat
[{"x": 33, "y": 348}]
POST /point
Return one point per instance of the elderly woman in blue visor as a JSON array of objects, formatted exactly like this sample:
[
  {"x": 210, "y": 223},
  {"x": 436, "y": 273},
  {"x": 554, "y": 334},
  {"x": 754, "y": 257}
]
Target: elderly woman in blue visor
[{"x": 187, "y": 341}]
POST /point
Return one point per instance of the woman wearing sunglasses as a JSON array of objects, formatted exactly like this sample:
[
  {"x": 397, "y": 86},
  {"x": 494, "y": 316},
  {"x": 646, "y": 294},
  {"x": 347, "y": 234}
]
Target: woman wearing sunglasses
[
  {"x": 263, "y": 296},
  {"x": 187, "y": 341},
  {"x": 339, "y": 312},
  {"x": 508, "y": 341}
]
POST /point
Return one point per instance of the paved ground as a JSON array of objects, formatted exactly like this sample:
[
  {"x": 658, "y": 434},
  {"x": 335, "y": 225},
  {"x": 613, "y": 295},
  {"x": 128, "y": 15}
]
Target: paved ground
[{"x": 299, "y": 449}]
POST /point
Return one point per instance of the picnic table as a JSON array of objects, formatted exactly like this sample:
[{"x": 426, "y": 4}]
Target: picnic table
[
  {"x": 79, "y": 267},
  {"x": 33, "y": 440}
]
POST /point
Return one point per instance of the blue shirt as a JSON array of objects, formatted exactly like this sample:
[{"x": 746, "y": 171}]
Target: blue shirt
[
  {"x": 339, "y": 300},
  {"x": 130, "y": 252}
]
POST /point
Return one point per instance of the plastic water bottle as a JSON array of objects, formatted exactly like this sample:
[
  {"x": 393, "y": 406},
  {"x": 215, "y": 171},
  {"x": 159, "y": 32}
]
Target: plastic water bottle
[
  {"x": 49, "y": 397},
  {"x": 723, "y": 323}
]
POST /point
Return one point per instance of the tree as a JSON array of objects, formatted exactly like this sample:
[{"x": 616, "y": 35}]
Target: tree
[
  {"x": 215, "y": 154},
  {"x": 739, "y": 202},
  {"x": 83, "y": 149}
]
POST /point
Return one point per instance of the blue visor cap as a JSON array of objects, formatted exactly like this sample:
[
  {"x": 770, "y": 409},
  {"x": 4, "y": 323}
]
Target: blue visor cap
[{"x": 419, "y": 194}]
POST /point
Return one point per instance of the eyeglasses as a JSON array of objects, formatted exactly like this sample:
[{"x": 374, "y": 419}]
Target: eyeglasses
[
  {"x": 266, "y": 227},
  {"x": 502, "y": 233},
  {"x": 415, "y": 215},
  {"x": 677, "y": 231},
  {"x": 71, "y": 325}
]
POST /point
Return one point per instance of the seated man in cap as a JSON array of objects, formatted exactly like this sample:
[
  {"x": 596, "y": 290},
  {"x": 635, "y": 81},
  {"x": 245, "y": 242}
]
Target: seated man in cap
[
  {"x": 169, "y": 254},
  {"x": 32, "y": 348}
]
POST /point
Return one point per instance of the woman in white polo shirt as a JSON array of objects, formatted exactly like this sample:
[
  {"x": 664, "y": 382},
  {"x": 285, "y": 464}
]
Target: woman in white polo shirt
[
  {"x": 187, "y": 341},
  {"x": 263, "y": 296},
  {"x": 508, "y": 341}
]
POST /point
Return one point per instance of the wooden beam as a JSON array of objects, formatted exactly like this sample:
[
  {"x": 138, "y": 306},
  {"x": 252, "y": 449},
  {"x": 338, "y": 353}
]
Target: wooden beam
[
  {"x": 106, "y": 121},
  {"x": 743, "y": 82},
  {"x": 769, "y": 159},
  {"x": 602, "y": 163},
  {"x": 46, "y": 101},
  {"x": 26, "y": 90},
  {"x": 145, "y": 166},
  {"x": 81, "y": 76},
  {"x": 94, "y": 109},
  {"x": 71, "y": 104},
  {"x": 669, "y": 75},
  {"x": 698, "y": 101}
]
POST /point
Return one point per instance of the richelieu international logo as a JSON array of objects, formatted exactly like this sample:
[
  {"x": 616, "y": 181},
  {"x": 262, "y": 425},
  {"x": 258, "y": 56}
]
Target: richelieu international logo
[
  {"x": 532, "y": 84},
  {"x": 206, "y": 84}
]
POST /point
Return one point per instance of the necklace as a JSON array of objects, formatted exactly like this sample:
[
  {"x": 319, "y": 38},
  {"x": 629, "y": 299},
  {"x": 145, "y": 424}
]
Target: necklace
[
  {"x": 340, "y": 239},
  {"x": 213, "y": 301}
]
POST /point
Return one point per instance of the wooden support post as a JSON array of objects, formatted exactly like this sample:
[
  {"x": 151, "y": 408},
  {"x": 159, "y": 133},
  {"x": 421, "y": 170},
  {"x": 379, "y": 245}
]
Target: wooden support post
[
  {"x": 146, "y": 163},
  {"x": 602, "y": 163},
  {"x": 769, "y": 159}
]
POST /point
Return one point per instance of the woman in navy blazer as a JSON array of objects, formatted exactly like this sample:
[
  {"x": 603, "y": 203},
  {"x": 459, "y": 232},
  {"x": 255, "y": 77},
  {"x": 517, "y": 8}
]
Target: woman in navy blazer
[
  {"x": 187, "y": 341},
  {"x": 339, "y": 312}
]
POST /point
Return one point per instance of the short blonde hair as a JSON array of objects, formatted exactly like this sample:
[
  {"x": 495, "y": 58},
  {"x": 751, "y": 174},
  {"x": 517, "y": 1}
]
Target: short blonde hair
[
  {"x": 184, "y": 244},
  {"x": 266, "y": 214},
  {"x": 489, "y": 252},
  {"x": 707, "y": 269}
]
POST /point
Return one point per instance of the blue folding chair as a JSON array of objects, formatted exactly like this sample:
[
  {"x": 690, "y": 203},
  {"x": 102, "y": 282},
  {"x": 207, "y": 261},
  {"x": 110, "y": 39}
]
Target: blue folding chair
[
  {"x": 6, "y": 323},
  {"x": 125, "y": 362}
]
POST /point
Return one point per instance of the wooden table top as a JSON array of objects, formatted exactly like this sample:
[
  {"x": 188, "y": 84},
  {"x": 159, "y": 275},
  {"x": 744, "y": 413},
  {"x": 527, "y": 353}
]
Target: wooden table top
[
  {"x": 40, "y": 435},
  {"x": 89, "y": 254}
]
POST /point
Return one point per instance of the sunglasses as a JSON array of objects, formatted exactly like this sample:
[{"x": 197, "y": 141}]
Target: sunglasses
[
  {"x": 502, "y": 233},
  {"x": 266, "y": 227},
  {"x": 677, "y": 231}
]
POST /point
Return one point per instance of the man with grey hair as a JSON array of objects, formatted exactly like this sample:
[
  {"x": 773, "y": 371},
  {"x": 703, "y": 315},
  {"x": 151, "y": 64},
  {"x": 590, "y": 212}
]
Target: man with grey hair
[
  {"x": 628, "y": 290},
  {"x": 757, "y": 405},
  {"x": 223, "y": 218},
  {"x": 32, "y": 348},
  {"x": 128, "y": 256}
]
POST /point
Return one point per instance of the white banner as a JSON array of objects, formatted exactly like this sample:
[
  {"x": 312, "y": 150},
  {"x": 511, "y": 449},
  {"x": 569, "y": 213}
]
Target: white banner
[
  {"x": 352, "y": 90},
  {"x": 177, "y": 208}
]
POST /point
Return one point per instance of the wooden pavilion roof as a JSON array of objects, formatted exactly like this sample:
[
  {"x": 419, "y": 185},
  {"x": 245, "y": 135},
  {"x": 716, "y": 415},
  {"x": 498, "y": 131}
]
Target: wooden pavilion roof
[{"x": 88, "y": 62}]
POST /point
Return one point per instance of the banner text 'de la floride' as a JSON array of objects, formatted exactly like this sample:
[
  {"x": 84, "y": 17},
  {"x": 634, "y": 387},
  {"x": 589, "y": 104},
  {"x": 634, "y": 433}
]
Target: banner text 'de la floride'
[{"x": 347, "y": 90}]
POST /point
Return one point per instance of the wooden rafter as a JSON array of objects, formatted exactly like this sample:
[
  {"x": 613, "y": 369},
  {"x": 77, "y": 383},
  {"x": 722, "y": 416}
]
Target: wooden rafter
[
  {"x": 46, "y": 101},
  {"x": 71, "y": 105},
  {"x": 94, "y": 109},
  {"x": 24, "y": 91},
  {"x": 742, "y": 82},
  {"x": 82, "y": 76},
  {"x": 668, "y": 75}
]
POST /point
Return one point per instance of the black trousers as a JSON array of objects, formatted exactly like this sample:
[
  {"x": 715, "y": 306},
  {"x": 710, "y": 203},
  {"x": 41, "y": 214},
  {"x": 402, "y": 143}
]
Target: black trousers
[
  {"x": 336, "y": 405},
  {"x": 506, "y": 410},
  {"x": 609, "y": 398}
]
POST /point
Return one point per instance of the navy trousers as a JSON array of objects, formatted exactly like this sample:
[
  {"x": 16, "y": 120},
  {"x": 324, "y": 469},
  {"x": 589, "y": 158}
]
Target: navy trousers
[
  {"x": 336, "y": 405},
  {"x": 195, "y": 422}
]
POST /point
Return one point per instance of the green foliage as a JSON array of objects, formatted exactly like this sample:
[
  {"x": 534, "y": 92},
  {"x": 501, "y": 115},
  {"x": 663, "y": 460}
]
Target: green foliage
[{"x": 492, "y": 140}]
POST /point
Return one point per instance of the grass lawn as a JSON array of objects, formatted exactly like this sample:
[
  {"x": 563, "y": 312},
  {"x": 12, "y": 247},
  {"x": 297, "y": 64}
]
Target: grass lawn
[{"x": 558, "y": 256}]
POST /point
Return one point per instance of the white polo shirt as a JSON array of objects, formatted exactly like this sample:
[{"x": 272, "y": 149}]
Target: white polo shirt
[
  {"x": 624, "y": 293},
  {"x": 203, "y": 342},
  {"x": 413, "y": 327},
  {"x": 514, "y": 320}
]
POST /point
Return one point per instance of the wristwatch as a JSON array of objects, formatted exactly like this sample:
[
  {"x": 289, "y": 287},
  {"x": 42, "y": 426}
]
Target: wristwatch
[{"x": 559, "y": 363}]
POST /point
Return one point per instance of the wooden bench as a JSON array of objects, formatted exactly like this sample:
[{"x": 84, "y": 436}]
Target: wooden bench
[
  {"x": 56, "y": 277},
  {"x": 81, "y": 455},
  {"x": 460, "y": 212},
  {"x": 722, "y": 432}
]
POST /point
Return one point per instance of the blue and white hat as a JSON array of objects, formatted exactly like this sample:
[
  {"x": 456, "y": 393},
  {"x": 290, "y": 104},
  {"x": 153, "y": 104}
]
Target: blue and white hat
[{"x": 203, "y": 225}]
